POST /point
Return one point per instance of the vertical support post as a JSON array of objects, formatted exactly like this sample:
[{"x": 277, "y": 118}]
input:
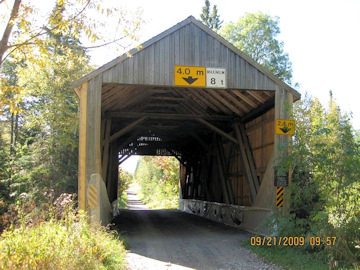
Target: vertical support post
[
  {"x": 209, "y": 177},
  {"x": 221, "y": 172},
  {"x": 229, "y": 188},
  {"x": 113, "y": 172},
  {"x": 248, "y": 162},
  {"x": 203, "y": 177},
  {"x": 182, "y": 181},
  {"x": 102, "y": 133},
  {"x": 106, "y": 144},
  {"x": 90, "y": 136},
  {"x": 115, "y": 179},
  {"x": 82, "y": 146},
  {"x": 283, "y": 110},
  {"x": 249, "y": 156}
]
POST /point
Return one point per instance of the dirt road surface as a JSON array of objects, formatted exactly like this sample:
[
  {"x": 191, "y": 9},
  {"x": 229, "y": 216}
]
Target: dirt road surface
[{"x": 171, "y": 239}]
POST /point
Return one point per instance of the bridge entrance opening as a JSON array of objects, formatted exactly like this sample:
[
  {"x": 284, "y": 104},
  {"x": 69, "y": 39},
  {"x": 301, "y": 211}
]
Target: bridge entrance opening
[{"x": 190, "y": 94}]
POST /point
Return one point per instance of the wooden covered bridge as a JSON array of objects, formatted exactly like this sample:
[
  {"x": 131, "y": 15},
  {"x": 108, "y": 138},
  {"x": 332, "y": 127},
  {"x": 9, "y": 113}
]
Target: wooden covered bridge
[{"x": 187, "y": 93}]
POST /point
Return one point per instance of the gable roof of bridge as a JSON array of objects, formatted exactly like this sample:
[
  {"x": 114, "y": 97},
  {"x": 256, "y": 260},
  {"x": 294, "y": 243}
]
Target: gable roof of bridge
[{"x": 188, "y": 43}]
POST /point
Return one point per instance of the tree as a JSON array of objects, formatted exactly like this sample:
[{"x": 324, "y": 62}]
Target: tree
[
  {"x": 25, "y": 33},
  {"x": 46, "y": 137},
  {"x": 325, "y": 159},
  {"x": 211, "y": 20},
  {"x": 255, "y": 34},
  {"x": 27, "y": 30},
  {"x": 53, "y": 114},
  {"x": 158, "y": 179}
]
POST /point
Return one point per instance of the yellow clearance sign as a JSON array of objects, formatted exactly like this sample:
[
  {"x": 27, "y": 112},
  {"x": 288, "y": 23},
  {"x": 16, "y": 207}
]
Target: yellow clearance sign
[
  {"x": 285, "y": 127},
  {"x": 190, "y": 76}
]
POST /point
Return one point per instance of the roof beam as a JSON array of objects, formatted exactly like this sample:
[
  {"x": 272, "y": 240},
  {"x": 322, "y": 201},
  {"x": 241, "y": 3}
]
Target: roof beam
[
  {"x": 244, "y": 98},
  {"x": 127, "y": 128},
  {"x": 257, "y": 96},
  {"x": 168, "y": 98},
  {"x": 171, "y": 116},
  {"x": 163, "y": 105},
  {"x": 201, "y": 142},
  {"x": 260, "y": 110},
  {"x": 224, "y": 101},
  {"x": 216, "y": 129},
  {"x": 77, "y": 92}
]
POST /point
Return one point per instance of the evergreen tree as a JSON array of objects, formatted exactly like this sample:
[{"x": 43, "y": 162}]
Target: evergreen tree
[
  {"x": 205, "y": 15},
  {"x": 216, "y": 23},
  {"x": 211, "y": 20}
]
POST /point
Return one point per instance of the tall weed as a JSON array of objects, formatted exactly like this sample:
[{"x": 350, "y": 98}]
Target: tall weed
[{"x": 59, "y": 238}]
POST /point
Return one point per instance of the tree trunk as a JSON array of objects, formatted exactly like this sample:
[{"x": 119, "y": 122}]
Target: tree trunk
[
  {"x": 12, "y": 125},
  {"x": 4, "y": 42},
  {"x": 16, "y": 131}
]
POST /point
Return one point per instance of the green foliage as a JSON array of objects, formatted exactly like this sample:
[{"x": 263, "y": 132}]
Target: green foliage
[
  {"x": 255, "y": 34},
  {"x": 45, "y": 151},
  {"x": 211, "y": 20},
  {"x": 125, "y": 178},
  {"x": 325, "y": 157},
  {"x": 158, "y": 178},
  {"x": 27, "y": 25},
  {"x": 4, "y": 187},
  {"x": 52, "y": 245},
  {"x": 63, "y": 240}
]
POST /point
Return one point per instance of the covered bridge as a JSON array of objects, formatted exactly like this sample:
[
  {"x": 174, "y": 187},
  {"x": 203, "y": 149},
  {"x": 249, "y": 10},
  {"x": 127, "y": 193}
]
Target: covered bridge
[{"x": 188, "y": 93}]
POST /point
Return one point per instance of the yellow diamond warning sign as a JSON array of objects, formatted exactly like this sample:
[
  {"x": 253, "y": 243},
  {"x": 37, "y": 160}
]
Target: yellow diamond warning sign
[
  {"x": 285, "y": 127},
  {"x": 190, "y": 76}
]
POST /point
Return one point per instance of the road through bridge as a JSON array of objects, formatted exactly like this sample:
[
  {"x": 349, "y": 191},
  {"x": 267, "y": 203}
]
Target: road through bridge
[
  {"x": 191, "y": 94},
  {"x": 171, "y": 239}
]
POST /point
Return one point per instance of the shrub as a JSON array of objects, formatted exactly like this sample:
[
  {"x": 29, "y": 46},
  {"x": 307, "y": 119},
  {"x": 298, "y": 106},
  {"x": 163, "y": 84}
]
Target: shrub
[
  {"x": 53, "y": 245},
  {"x": 58, "y": 238}
]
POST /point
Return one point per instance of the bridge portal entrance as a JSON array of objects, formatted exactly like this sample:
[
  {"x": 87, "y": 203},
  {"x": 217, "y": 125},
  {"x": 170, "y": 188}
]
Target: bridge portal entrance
[{"x": 187, "y": 93}]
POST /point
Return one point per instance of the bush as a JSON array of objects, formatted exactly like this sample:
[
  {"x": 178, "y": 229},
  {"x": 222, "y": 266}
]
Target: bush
[
  {"x": 54, "y": 245},
  {"x": 325, "y": 157},
  {"x": 62, "y": 239}
]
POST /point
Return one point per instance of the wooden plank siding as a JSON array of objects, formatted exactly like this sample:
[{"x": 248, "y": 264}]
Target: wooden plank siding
[
  {"x": 260, "y": 132},
  {"x": 154, "y": 65}
]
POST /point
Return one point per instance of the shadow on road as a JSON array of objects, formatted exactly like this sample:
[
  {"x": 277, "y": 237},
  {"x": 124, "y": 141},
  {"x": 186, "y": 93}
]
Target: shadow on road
[{"x": 174, "y": 239}]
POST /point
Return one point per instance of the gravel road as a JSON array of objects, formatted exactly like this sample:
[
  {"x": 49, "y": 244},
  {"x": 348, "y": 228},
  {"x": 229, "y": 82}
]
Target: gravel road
[{"x": 171, "y": 239}]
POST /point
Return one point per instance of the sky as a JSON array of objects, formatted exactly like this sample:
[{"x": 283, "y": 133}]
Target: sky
[{"x": 321, "y": 37}]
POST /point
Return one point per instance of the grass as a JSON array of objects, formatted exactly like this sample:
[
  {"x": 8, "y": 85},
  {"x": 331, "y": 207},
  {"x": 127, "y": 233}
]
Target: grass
[
  {"x": 122, "y": 200},
  {"x": 56, "y": 245},
  {"x": 293, "y": 258},
  {"x": 163, "y": 203},
  {"x": 290, "y": 257}
]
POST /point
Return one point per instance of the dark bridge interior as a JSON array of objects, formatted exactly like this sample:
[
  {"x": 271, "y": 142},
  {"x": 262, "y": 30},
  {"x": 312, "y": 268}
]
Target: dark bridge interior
[{"x": 194, "y": 125}]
